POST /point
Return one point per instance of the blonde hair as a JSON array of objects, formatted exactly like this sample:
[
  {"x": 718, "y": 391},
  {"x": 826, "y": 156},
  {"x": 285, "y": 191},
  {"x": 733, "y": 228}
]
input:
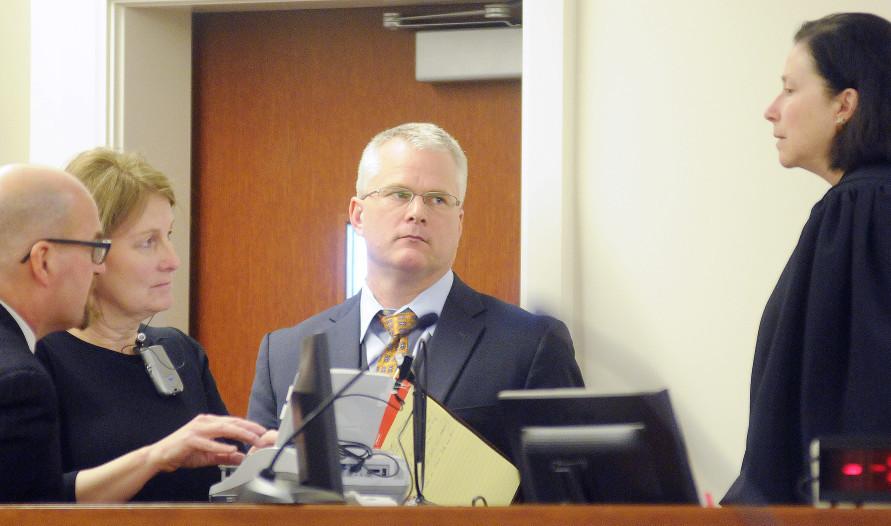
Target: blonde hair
[{"x": 120, "y": 183}]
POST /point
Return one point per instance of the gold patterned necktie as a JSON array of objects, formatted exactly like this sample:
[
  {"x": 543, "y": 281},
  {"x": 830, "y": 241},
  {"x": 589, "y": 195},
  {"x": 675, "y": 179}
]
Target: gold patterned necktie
[{"x": 398, "y": 325}]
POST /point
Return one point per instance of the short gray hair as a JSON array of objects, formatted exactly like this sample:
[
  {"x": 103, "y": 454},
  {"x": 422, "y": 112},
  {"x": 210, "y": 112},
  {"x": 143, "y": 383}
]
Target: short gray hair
[{"x": 420, "y": 136}]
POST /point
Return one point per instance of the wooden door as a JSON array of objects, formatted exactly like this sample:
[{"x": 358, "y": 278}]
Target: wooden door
[{"x": 285, "y": 101}]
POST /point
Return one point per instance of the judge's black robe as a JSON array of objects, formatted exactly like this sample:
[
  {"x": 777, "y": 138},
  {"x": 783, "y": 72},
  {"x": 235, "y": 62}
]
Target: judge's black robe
[{"x": 823, "y": 353}]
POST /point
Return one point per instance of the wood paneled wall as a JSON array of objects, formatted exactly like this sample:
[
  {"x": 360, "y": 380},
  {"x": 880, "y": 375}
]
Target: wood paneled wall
[{"x": 285, "y": 101}]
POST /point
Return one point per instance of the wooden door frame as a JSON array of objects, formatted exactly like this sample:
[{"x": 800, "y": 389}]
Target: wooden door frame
[{"x": 148, "y": 38}]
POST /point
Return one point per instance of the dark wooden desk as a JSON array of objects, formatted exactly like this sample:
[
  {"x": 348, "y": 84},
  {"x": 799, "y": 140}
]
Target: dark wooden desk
[{"x": 530, "y": 515}]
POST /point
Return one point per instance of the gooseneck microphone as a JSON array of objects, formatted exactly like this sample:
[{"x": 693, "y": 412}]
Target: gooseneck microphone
[
  {"x": 405, "y": 372},
  {"x": 419, "y": 424},
  {"x": 425, "y": 321}
]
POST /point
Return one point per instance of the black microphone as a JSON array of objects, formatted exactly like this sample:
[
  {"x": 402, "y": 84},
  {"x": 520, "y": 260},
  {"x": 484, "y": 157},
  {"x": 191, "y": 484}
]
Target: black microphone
[
  {"x": 419, "y": 431},
  {"x": 419, "y": 423},
  {"x": 405, "y": 372},
  {"x": 423, "y": 322}
]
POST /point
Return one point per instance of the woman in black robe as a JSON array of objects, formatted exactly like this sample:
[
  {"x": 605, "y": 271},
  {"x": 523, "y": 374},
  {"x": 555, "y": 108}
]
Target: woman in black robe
[{"x": 823, "y": 353}]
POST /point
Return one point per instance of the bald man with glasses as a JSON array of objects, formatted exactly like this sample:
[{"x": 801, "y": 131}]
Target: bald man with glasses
[
  {"x": 50, "y": 249},
  {"x": 408, "y": 207}
]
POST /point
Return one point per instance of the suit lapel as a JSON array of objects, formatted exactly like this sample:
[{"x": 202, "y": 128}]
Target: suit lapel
[
  {"x": 458, "y": 330},
  {"x": 10, "y": 332},
  {"x": 343, "y": 335}
]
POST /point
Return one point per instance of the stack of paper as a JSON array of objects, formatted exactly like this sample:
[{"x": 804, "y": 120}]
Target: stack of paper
[{"x": 461, "y": 468}]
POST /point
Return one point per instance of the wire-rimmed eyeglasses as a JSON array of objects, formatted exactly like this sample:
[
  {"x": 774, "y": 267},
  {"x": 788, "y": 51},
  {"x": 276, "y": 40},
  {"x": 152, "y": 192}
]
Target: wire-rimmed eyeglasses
[
  {"x": 100, "y": 247},
  {"x": 397, "y": 196}
]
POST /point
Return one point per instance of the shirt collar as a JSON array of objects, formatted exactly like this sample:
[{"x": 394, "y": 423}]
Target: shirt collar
[
  {"x": 23, "y": 325},
  {"x": 430, "y": 300}
]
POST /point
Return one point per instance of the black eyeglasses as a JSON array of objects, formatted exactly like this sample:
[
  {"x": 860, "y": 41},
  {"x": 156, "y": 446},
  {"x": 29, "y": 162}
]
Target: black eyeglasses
[
  {"x": 396, "y": 196},
  {"x": 100, "y": 248}
]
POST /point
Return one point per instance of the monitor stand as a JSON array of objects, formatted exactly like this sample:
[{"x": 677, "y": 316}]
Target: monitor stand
[{"x": 264, "y": 491}]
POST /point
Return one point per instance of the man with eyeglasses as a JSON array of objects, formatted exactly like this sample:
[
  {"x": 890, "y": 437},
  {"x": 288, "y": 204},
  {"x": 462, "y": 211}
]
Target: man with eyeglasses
[
  {"x": 50, "y": 249},
  {"x": 410, "y": 188}
]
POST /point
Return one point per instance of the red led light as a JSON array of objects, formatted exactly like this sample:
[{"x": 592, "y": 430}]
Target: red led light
[
  {"x": 852, "y": 469},
  {"x": 878, "y": 468}
]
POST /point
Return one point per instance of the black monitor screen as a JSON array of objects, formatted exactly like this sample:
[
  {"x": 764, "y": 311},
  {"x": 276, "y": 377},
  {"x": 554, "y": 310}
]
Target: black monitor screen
[
  {"x": 317, "y": 453},
  {"x": 575, "y": 446}
]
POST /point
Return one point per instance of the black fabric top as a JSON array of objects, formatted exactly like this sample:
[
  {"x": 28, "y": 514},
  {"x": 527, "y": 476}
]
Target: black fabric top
[
  {"x": 823, "y": 354},
  {"x": 109, "y": 406}
]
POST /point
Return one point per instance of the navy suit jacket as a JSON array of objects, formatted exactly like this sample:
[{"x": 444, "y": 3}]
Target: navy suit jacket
[
  {"x": 481, "y": 346},
  {"x": 30, "y": 455}
]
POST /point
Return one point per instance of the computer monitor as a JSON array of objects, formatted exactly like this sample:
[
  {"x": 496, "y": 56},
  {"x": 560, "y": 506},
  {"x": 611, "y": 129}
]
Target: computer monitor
[
  {"x": 571, "y": 445},
  {"x": 318, "y": 458}
]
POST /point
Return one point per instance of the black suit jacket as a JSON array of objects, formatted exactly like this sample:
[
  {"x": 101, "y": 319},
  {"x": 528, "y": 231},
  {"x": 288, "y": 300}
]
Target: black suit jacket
[
  {"x": 30, "y": 457},
  {"x": 481, "y": 346}
]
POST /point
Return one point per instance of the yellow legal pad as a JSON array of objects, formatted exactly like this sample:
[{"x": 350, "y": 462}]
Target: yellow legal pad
[{"x": 460, "y": 466}]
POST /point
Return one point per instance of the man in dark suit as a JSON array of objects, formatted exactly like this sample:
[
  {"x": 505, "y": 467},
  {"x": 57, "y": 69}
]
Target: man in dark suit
[
  {"x": 410, "y": 187},
  {"x": 49, "y": 252}
]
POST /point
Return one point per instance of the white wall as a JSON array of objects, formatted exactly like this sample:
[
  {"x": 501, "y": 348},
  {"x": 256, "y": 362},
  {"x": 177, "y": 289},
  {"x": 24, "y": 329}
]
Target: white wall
[
  {"x": 547, "y": 224},
  {"x": 673, "y": 219},
  {"x": 68, "y": 59},
  {"x": 15, "y": 67}
]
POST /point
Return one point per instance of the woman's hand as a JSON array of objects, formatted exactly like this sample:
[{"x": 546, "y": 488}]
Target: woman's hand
[
  {"x": 195, "y": 444},
  {"x": 268, "y": 439}
]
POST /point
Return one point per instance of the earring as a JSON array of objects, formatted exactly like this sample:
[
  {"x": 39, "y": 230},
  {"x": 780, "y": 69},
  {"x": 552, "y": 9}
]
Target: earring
[{"x": 839, "y": 125}]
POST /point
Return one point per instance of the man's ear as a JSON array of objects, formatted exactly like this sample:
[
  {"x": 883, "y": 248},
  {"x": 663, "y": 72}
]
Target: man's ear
[
  {"x": 460, "y": 222},
  {"x": 42, "y": 262},
  {"x": 356, "y": 214}
]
